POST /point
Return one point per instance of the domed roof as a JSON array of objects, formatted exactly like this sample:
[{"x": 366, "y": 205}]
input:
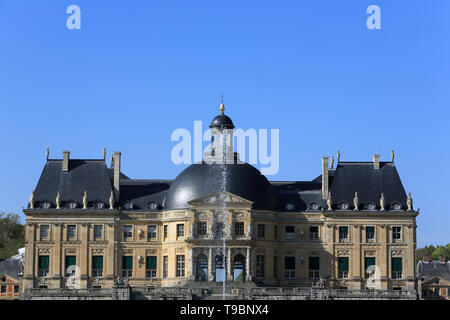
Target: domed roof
[
  {"x": 222, "y": 121},
  {"x": 201, "y": 179}
]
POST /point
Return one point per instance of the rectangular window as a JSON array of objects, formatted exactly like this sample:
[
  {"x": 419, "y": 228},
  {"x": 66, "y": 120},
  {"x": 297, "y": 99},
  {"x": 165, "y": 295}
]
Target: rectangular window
[
  {"x": 275, "y": 267},
  {"x": 397, "y": 268},
  {"x": 180, "y": 230},
  {"x": 275, "y": 232},
  {"x": 3, "y": 289},
  {"x": 370, "y": 234},
  {"x": 290, "y": 232},
  {"x": 71, "y": 262},
  {"x": 201, "y": 228},
  {"x": 289, "y": 267},
  {"x": 396, "y": 234},
  {"x": 165, "y": 231},
  {"x": 127, "y": 266},
  {"x": 261, "y": 230},
  {"x": 97, "y": 266},
  {"x": 127, "y": 232},
  {"x": 219, "y": 229},
  {"x": 98, "y": 231},
  {"x": 260, "y": 266},
  {"x": 16, "y": 289},
  {"x": 43, "y": 266},
  {"x": 180, "y": 266},
  {"x": 44, "y": 232},
  {"x": 151, "y": 232},
  {"x": 369, "y": 261},
  {"x": 314, "y": 268},
  {"x": 165, "y": 266},
  {"x": 151, "y": 267},
  {"x": 343, "y": 234},
  {"x": 343, "y": 267},
  {"x": 239, "y": 229},
  {"x": 313, "y": 233},
  {"x": 71, "y": 232}
]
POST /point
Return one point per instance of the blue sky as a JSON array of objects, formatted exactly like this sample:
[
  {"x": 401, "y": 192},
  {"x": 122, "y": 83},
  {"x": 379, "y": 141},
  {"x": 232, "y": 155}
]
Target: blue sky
[{"x": 137, "y": 70}]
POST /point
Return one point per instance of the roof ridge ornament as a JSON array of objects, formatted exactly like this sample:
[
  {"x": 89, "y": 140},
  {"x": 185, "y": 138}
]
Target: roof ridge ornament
[
  {"x": 409, "y": 202},
  {"x": 47, "y": 152},
  {"x": 329, "y": 202},
  {"x": 332, "y": 162},
  {"x": 222, "y": 108},
  {"x": 32, "y": 200},
  {"x": 111, "y": 200},
  {"x": 382, "y": 202},
  {"x": 338, "y": 155},
  {"x": 85, "y": 202},
  {"x": 104, "y": 153},
  {"x": 356, "y": 202},
  {"x": 58, "y": 200},
  {"x": 392, "y": 155}
]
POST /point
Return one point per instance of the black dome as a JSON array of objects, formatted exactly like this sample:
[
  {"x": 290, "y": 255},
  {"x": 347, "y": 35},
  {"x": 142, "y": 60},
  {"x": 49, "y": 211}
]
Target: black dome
[
  {"x": 222, "y": 121},
  {"x": 201, "y": 179}
]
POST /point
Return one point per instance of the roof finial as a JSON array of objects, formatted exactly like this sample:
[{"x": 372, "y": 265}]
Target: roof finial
[
  {"x": 104, "y": 153},
  {"x": 332, "y": 162},
  {"x": 338, "y": 154},
  {"x": 392, "y": 155},
  {"x": 47, "y": 152},
  {"x": 222, "y": 106}
]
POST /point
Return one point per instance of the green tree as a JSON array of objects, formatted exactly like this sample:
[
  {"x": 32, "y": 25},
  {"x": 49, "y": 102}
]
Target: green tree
[
  {"x": 12, "y": 234},
  {"x": 440, "y": 250}
]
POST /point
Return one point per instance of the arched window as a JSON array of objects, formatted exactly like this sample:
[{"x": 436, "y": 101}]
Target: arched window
[
  {"x": 396, "y": 206},
  {"x": 71, "y": 205},
  {"x": 45, "y": 205},
  {"x": 128, "y": 205},
  {"x": 369, "y": 205},
  {"x": 343, "y": 205},
  {"x": 152, "y": 205}
]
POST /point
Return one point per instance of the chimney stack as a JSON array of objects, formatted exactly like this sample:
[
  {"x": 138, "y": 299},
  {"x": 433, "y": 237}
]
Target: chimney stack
[
  {"x": 66, "y": 156},
  {"x": 117, "y": 156},
  {"x": 324, "y": 177},
  {"x": 376, "y": 161}
]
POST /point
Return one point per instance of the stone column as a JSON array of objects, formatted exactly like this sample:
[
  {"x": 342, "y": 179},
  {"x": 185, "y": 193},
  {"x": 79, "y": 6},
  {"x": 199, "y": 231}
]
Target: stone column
[
  {"x": 57, "y": 252},
  {"x": 210, "y": 274},
  {"x": 356, "y": 256},
  {"x": 229, "y": 275},
  {"x": 191, "y": 264},
  {"x": 248, "y": 272},
  {"x": 84, "y": 254}
]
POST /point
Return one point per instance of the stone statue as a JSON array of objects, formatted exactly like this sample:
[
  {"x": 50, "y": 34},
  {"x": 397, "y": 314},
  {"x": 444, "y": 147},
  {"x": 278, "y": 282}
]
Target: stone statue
[
  {"x": 32, "y": 200},
  {"x": 392, "y": 155},
  {"x": 210, "y": 231},
  {"x": 104, "y": 153},
  {"x": 191, "y": 230},
  {"x": 111, "y": 200},
  {"x": 112, "y": 159},
  {"x": 58, "y": 201},
  {"x": 329, "y": 202},
  {"x": 409, "y": 202},
  {"x": 229, "y": 230},
  {"x": 356, "y": 202},
  {"x": 249, "y": 230},
  {"x": 332, "y": 162},
  {"x": 47, "y": 152},
  {"x": 338, "y": 155},
  {"x": 382, "y": 202},
  {"x": 85, "y": 202}
]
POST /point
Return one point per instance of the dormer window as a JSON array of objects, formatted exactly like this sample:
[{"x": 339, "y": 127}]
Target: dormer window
[
  {"x": 152, "y": 205},
  {"x": 369, "y": 205},
  {"x": 343, "y": 205},
  {"x": 128, "y": 205},
  {"x": 99, "y": 205},
  {"x": 72, "y": 205},
  {"x": 45, "y": 205},
  {"x": 396, "y": 206},
  {"x": 314, "y": 206}
]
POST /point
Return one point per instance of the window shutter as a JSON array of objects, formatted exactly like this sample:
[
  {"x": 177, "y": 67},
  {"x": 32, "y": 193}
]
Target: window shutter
[
  {"x": 97, "y": 262},
  {"x": 71, "y": 261},
  {"x": 343, "y": 264},
  {"x": 397, "y": 264},
  {"x": 127, "y": 262},
  {"x": 151, "y": 263},
  {"x": 43, "y": 262},
  {"x": 369, "y": 262},
  {"x": 314, "y": 263}
]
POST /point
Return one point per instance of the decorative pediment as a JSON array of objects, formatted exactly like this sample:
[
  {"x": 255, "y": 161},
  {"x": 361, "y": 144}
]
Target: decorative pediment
[{"x": 220, "y": 199}]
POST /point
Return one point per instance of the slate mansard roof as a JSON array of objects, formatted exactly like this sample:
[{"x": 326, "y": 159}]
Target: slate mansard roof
[{"x": 202, "y": 179}]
